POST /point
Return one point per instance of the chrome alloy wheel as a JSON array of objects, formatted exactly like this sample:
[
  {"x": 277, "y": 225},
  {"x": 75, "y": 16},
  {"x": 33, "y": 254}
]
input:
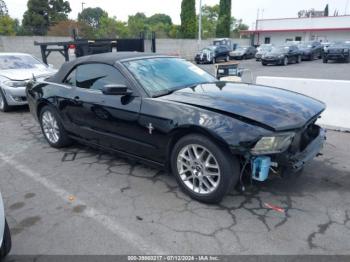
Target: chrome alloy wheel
[
  {"x": 198, "y": 169},
  {"x": 50, "y": 127}
]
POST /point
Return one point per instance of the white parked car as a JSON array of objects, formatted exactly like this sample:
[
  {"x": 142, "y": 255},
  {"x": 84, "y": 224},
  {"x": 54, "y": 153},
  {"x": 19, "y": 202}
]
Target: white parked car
[
  {"x": 5, "y": 237},
  {"x": 16, "y": 69}
]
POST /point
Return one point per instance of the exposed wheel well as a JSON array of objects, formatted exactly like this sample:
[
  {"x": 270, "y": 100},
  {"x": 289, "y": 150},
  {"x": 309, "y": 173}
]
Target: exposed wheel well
[
  {"x": 183, "y": 131},
  {"x": 40, "y": 107}
]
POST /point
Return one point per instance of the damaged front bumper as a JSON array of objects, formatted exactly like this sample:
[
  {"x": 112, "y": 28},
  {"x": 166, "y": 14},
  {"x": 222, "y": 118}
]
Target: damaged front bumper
[{"x": 298, "y": 160}]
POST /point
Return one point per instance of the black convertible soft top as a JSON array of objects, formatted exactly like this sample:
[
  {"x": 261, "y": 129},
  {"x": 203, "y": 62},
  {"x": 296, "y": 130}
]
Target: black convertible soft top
[{"x": 106, "y": 58}]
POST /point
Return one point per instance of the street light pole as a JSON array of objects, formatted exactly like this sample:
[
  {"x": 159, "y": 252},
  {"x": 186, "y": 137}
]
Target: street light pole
[{"x": 200, "y": 25}]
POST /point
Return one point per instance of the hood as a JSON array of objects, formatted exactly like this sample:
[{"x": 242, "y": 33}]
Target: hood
[
  {"x": 25, "y": 74},
  {"x": 273, "y": 108}
]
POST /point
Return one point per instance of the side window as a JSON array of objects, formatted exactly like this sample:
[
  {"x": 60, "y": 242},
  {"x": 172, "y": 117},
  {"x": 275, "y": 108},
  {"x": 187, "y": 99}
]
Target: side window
[
  {"x": 95, "y": 76},
  {"x": 70, "y": 79}
]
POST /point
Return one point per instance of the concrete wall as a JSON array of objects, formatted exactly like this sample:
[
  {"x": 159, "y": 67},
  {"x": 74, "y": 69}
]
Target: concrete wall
[
  {"x": 187, "y": 48},
  {"x": 25, "y": 44},
  {"x": 335, "y": 93}
]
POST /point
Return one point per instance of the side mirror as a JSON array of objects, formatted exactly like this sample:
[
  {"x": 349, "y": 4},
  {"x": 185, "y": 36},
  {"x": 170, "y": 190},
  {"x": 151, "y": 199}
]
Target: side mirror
[{"x": 116, "y": 90}]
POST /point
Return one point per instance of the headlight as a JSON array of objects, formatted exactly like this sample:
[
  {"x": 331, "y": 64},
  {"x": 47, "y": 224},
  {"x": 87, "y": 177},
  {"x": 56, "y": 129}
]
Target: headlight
[
  {"x": 273, "y": 144},
  {"x": 15, "y": 83}
]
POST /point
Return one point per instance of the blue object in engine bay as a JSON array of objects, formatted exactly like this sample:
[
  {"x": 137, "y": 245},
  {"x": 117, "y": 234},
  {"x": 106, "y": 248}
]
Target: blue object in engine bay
[{"x": 260, "y": 167}]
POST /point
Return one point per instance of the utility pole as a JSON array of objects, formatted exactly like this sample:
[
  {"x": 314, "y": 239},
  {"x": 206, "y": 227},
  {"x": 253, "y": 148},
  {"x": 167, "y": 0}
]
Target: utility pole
[
  {"x": 82, "y": 6},
  {"x": 200, "y": 25}
]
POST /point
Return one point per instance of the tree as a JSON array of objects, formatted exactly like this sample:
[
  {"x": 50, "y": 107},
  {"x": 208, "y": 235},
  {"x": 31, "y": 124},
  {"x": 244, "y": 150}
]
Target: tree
[
  {"x": 59, "y": 10},
  {"x": 159, "y": 19},
  {"x": 111, "y": 28},
  {"x": 224, "y": 21},
  {"x": 188, "y": 19},
  {"x": 92, "y": 16},
  {"x": 43, "y": 13},
  {"x": 326, "y": 10},
  {"x": 137, "y": 23},
  {"x": 3, "y": 8},
  {"x": 7, "y": 25},
  {"x": 63, "y": 28},
  {"x": 210, "y": 16}
]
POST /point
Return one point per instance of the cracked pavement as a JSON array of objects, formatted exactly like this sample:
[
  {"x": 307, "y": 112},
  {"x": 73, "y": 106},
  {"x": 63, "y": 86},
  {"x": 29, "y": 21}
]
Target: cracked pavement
[{"x": 80, "y": 200}]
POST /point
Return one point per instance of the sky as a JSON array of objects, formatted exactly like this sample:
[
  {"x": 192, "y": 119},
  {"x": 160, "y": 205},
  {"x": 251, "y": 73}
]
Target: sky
[{"x": 246, "y": 10}]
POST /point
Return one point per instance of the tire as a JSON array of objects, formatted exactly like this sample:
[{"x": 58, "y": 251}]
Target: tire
[
  {"x": 298, "y": 60},
  {"x": 264, "y": 64},
  {"x": 4, "y": 107},
  {"x": 193, "y": 182},
  {"x": 285, "y": 61},
  {"x": 52, "y": 128},
  {"x": 325, "y": 60},
  {"x": 6, "y": 242}
]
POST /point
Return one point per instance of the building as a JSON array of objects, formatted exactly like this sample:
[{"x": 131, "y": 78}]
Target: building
[{"x": 278, "y": 31}]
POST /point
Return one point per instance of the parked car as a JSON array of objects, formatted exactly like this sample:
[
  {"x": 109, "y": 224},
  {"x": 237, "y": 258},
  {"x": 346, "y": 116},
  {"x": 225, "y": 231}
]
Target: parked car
[
  {"x": 16, "y": 69},
  {"x": 167, "y": 112},
  {"x": 310, "y": 50},
  {"x": 213, "y": 54},
  {"x": 261, "y": 50},
  {"x": 5, "y": 236},
  {"x": 243, "y": 52},
  {"x": 338, "y": 51},
  {"x": 282, "y": 55},
  {"x": 226, "y": 42}
]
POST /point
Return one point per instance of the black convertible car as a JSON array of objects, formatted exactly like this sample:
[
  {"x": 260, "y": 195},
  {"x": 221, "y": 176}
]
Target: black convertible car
[{"x": 168, "y": 112}]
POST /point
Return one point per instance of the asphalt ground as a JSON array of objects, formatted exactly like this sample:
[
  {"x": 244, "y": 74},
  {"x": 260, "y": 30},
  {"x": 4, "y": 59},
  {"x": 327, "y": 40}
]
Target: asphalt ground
[
  {"x": 306, "y": 69},
  {"x": 80, "y": 200}
]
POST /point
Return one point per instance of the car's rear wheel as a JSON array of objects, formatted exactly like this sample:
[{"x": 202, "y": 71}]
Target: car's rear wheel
[
  {"x": 298, "y": 60},
  {"x": 203, "y": 170},
  {"x": 6, "y": 242},
  {"x": 4, "y": 107},
  {"x": 53, "y": 129}
]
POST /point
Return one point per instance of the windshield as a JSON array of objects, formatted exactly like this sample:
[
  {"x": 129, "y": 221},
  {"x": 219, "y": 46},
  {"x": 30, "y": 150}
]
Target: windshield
[
  {"x": 280, "y": 49},
  {"x": 160, "y": 76},
  {"x": 19, "y": 62}
]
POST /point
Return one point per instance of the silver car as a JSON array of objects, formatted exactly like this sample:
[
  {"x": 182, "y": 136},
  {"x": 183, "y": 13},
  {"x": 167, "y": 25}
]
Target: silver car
[
  {"x": 16, "y": 69},
  {"x": 5, "y": 237}
]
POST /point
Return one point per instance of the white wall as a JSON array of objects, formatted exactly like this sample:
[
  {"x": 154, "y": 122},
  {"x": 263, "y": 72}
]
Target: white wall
[
  {"x": 280, "y": 37},
  {"x": 335, "y": 93},
  {"x": 303, "y": 23}
]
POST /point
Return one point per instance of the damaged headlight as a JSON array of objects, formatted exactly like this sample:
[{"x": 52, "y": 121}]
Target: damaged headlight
[{"x": 273, "y": 144}]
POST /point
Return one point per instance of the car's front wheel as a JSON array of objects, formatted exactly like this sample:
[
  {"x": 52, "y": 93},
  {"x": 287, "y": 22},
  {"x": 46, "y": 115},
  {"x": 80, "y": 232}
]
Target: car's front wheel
[
  {"x": 6, "y": 242},
  {"x": 4, "y": 107},
  {"x": 203, "y": 170},
  {"x": 52, "y": 128}
]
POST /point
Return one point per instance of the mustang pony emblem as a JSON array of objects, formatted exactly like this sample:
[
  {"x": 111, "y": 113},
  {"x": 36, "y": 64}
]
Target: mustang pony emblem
[{"x": 150, "y": 128}]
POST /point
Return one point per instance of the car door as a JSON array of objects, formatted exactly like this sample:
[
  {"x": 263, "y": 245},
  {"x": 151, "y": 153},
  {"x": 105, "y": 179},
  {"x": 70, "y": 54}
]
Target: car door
[{"x": 106, "y": 120}]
